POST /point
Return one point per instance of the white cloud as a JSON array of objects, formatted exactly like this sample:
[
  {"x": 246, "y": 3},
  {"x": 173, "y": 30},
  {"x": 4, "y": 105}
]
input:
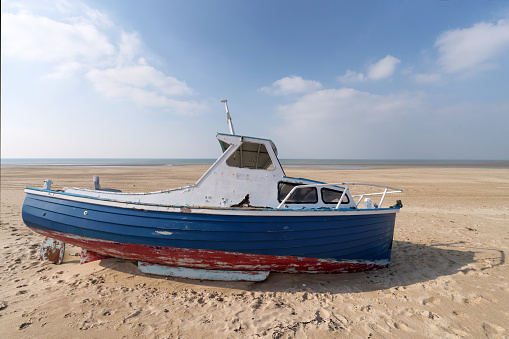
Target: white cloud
[
  {"x": 472, "y": 49},
  {"x": 345, "y": 104},
  {"x": 67, "y": 70},
  {"x": 351, "y": 76},
  {"x": 143, "y": 85},
  {"x": 138, "y": 76},
  {"x": 36, "y": 38},
  {"x": 128, "y": 47},
  {"x": 347, "y": 124},
  {"x": 427, "y": 78},
  {"x": 345, "y": 118},
  {"x": 379, "y": 70},
  {"x": 383, "y": 68},
  {"x": 292, "y": 85},
  {"x": 75, "y": 40}
]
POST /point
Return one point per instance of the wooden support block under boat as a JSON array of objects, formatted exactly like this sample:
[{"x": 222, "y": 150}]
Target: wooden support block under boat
[
  {"x": 202, "y": 274},
  {"x": 52, "y": 250}
]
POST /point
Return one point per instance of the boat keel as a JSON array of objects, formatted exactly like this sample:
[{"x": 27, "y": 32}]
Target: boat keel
[
  {"x": 87, "y": 256},
  {"x": 202, "y": 274},
  {"x": 52, "y": 250}
]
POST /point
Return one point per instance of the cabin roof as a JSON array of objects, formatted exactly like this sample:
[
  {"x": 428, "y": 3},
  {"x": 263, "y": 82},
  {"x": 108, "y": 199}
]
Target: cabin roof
[{"x": 227, "y": 139}]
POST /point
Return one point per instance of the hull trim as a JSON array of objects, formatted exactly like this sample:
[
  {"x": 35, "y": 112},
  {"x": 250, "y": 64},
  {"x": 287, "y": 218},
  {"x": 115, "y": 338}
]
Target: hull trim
[{"x": 206, "y": 210}]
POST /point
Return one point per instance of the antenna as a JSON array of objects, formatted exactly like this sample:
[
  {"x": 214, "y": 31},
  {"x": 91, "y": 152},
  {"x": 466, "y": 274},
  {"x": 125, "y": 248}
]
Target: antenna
[{"x": 228, "y": 117}]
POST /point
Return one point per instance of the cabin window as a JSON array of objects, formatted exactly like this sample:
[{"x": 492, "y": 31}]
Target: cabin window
[
  {"x": 306, "y": 195},
  {"x": 330, "y": 196},
  {"x": 251, "y": 155}
]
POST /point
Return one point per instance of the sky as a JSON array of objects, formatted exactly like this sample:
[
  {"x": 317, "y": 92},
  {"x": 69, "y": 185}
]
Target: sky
[{"x": 371, "y": 79}]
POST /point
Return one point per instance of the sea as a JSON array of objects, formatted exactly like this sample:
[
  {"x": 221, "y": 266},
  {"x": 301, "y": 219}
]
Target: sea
[{"x": 346, "y": 164}]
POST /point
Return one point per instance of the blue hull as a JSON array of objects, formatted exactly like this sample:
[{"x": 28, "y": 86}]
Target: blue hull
[{"x": 363, "y": 237}]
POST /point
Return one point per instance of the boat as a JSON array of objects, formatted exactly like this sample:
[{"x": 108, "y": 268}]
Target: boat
[{"x": 243, "y": 219}]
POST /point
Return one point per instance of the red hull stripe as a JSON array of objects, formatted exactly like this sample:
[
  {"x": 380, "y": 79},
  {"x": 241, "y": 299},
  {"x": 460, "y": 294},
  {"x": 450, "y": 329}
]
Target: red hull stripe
[{"x": 215, "y": 260}]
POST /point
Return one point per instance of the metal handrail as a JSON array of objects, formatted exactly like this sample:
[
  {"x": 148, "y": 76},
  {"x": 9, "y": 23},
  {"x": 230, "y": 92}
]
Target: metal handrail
[{"x": 345, "y": 189}]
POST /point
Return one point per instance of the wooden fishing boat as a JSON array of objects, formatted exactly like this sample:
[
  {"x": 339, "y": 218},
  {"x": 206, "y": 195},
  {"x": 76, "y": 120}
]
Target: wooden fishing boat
[{"x": 243, "y": 219}]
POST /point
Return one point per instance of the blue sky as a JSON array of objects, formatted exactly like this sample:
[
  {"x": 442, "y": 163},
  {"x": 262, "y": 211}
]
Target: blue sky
[{"x": 322, "y": 79}]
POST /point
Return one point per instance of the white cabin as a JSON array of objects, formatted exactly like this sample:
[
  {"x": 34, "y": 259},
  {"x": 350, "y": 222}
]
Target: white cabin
[{"x": 248, "y": 174}]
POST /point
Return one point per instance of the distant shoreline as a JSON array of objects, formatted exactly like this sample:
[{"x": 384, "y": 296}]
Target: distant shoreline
[{"x": 341, "y": 164}]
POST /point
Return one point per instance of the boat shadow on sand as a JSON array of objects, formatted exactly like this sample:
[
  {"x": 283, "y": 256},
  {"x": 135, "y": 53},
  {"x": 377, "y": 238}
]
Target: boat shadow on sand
[{"x": 411, "y": 263}]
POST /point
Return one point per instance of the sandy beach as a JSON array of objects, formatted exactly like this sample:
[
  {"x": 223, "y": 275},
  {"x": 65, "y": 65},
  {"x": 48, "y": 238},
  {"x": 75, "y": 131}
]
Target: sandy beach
[{"x": 448, "y": 276}]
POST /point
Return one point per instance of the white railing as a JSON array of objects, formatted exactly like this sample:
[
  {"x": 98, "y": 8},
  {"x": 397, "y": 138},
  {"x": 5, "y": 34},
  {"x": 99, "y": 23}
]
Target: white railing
[{"x": 346, "y": 189}]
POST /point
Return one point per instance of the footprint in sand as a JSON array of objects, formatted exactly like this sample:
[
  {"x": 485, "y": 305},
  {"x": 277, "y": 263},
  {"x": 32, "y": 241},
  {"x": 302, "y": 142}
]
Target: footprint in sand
[
  {"x": 24, "y": 325},
  {"x": 431, "y": 300},
  {"x": 475, "y": 299},
  {"x": 493, "y": 331},
  {"x": 459, "y": 313}
]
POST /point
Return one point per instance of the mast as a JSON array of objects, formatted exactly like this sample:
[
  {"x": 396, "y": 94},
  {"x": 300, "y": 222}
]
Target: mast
[{"x": 228, "y": 117}]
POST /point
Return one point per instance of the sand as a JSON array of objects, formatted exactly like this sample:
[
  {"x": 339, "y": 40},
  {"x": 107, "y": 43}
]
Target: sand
[{"x": 448, "y": 276}]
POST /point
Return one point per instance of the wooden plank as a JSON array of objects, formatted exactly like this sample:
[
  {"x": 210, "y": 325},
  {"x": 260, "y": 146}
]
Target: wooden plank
[{"x": 202, "y": 274}]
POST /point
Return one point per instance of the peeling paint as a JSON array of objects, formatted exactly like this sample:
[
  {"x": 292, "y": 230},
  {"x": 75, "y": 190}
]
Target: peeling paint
[
  {"x": 164, "y": 232},
  {"x": 217, "y": 260},
  {"x": 87, "y": 256},
  {"x": 202, "y": 274}
]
